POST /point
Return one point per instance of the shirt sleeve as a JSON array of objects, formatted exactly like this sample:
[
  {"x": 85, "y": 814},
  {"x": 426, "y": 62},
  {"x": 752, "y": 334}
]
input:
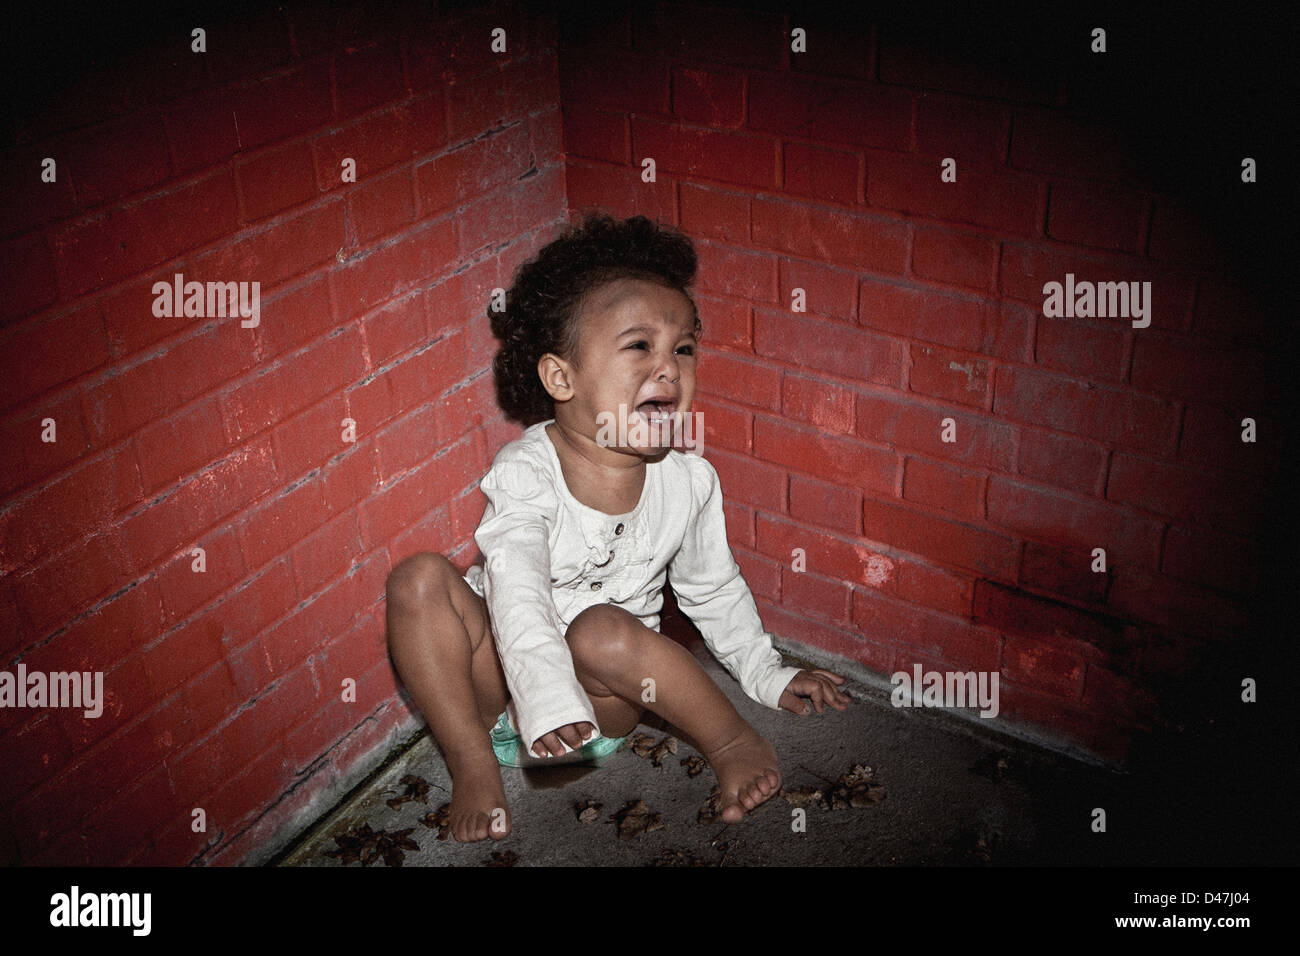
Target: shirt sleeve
[
  {"x": 711, "y": 591},
  {"x": 514, "y": 537}
]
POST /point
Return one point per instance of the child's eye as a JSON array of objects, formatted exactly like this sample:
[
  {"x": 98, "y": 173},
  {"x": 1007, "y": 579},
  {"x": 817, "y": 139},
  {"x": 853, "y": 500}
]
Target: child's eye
[
  {"x": 639, "y": 345},
  {"x": 686, "y": 349}
]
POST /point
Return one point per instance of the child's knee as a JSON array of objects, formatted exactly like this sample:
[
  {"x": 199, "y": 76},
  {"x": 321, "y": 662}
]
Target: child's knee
[
  {"x": 418, "y": 579},
  {"x": 602, "y": 633}
]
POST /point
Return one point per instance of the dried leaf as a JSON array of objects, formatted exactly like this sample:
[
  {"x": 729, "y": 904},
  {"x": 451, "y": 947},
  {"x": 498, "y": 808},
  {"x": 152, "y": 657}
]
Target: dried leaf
[
  {"x": 588, "y": 811},
  {"x": 711, "y": 812},
  {"x": 679, "y": 858},
  {"x": 694, "y": 765},
  {"x": 643, "y": 745},
  {"x": 502, "y": 858},
  {"x": 804, "y": 796},
  {"x": 439, "y": 820},
  {"x": 857, "y": 788},
  {"x": 636, "y": 818},
  {"x": 414, "y": 788}
]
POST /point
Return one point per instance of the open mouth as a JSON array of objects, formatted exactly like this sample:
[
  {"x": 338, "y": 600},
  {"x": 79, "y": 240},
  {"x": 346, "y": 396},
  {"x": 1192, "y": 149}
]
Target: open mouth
[{"x": 657, "y": 412}]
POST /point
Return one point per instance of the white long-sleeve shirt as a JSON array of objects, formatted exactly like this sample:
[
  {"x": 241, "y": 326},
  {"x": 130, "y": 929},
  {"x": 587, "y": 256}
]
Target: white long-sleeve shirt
[{"x": 548, "y": 557}]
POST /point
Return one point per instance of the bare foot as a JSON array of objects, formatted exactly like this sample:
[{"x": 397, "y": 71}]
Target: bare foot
[
  {"x": 478, "y": 801},
  {"x": 747, "y": 773}
]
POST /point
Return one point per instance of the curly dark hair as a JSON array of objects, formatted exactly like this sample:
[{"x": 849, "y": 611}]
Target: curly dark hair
[{"x": 543, "y": 306}]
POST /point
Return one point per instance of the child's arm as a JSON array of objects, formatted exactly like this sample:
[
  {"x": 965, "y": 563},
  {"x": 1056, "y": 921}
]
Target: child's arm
[
  {"x": 712, "y": 593},
  {"x": 514, "y": 537}
]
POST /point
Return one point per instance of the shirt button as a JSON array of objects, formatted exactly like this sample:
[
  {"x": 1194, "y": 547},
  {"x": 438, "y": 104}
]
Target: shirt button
[
  {"x": 619, "y": 529},
  {"x": 595, "y": 585}
]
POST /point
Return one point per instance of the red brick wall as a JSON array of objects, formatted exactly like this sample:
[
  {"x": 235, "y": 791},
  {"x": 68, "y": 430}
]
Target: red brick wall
[
  {"x": 821, "y": 171},
  {"x": 223, "y": 688},
  {"x": 817, "y": 171}
]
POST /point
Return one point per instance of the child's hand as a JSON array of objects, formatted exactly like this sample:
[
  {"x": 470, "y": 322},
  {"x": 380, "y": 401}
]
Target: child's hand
[
  {"x": 818, "y": 686},
  {"x": 548, "y": 745}
]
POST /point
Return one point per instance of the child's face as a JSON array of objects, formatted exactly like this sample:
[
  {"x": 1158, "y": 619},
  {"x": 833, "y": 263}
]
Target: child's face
[{"x": 635, "y": 364}]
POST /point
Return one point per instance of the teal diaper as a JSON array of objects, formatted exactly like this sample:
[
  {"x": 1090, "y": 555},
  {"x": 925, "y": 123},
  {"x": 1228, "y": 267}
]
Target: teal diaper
[{"x": 510, "y": 751}]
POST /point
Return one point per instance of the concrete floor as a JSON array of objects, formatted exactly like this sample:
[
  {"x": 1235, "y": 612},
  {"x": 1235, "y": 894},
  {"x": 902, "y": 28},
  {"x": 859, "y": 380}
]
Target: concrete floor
[{"x": 954, "y": 793}]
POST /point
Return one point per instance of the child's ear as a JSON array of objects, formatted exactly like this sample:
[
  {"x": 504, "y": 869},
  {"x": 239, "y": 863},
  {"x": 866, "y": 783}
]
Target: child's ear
[{"x": 554, "y": 373}]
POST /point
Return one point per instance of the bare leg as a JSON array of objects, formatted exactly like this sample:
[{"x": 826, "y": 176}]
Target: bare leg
[
  {"x": 614, "y": 653},
  {"x": 440, "y": 641}
]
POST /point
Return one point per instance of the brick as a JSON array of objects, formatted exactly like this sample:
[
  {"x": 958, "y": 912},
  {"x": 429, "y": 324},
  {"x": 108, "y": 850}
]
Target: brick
[
  {"x": 740, "y": 525},
  {"x": 918, "y": 313},
  {"x": 411, "y": 439},
  {"x": 1236, "y": 314},
  {"x": 830, "y": 175},
  {"x": 183, "y": 653},
  {"x": 726, "y": 323},
  {"x": 508, "y": 212},
  {"x": 619, "y": 191},
  {"x": 973, "y": 132},
  {"x": 327, "y": 553},
  {"x": 828, "y": 406},
  {"x": 1070, "y": 521},
  {"x": 64, "y": 584},
  {"x": 1199, "y": 496},
  {"x": 907, "y": 424},
  {"x": 29, "y": 201},
  {"x": 1185, "y": 608},
  {"x": 850, "y": 114},
  {"x": 164, "y": 524},
  {"x": 790, "y": 628},
  {"x": 726, "y": 426},
  {"x": 366, "y": 78},
  {"x": 180, "y": 444},
  {"x": 378, "y": 141},
  {"x": 500, "y": 157},
  {"x": 30, "y": 274},
  {"x": 183, "y": 589},
  {"x": 954, "y": 258},
  {"x": 827, "y": 347},
  {"x": 1127, "y": 419},
  {"x": 1105, "y": 692},
  {"x": 282, "y": 522},
  {"x": 1096, "y": 214},
  {"x": 1062, "y": 722},
  {"x": 948, "y": 639},
  {"x": 1000, "y": 201},
  {"x": 114, "y": 159},
  {"x": 1220, "y": 561},
  {"x": 829, "y": 555},
  {"x": 349, "y": 478},
  {"x": 276, "y": 108},
  {"x": 1062, "y": 460},
  {"x": 1212, "y": 436},
  {"x": 947, "y": 489},
  {"x": 938, "y": 588},
  {"x": 275, "y": 180},
  {"x": 95, "y": 252},
  {"x": 712, "y": 213},
  {"x": 201, "y": 129},
  {"x": 709, "y": 97},
  {"x": 840, "y": 460},
  {"x": 80, "y": 502},
  {"x": 761, "y": 575},
  {"x": 54, "y": 351},
  {"x": 1052, "y": 625},
  {"x": 858, "y": 241},
  {"x": 747, "y": 481},
  {"x": 1201, "y": 371},
  {"x": 815, "y": 596},
  {"x": 273, "y": 254},
  {"x": 832, "y": 293},
  {"x": 1088, "y": 350},
  {"x": 829, "y": 506},
  {"x": 942, "y": 373},
  {"x": 408, "y": 499},
  {"x": 1068, "y": 573},
  {"x": 940, "y": 539},
  {"x": 738, "y": 380},
  {"x": 1062, "y": 145},
  {"x": 985, "y": 65},
  {"x": 730, "y": 272},
  {"x": 1024, "y": 269},
  {"x": 740, "y": 158}
]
